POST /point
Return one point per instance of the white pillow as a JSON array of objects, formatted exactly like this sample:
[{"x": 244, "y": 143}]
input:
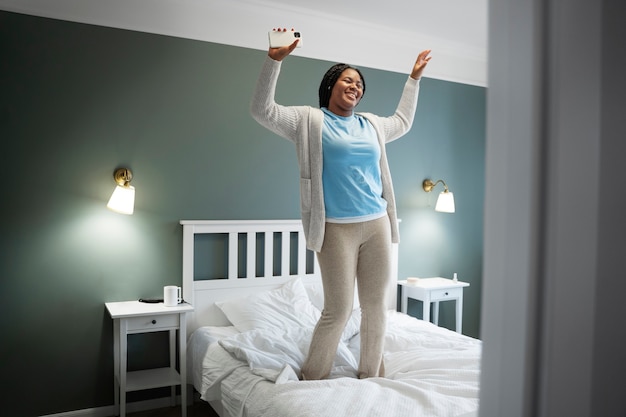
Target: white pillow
[{"x": 284, "y": 307}]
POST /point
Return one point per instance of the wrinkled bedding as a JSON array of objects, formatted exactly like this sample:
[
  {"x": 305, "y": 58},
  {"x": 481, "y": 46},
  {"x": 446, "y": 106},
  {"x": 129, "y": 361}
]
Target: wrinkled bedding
[{"x": 430, "y": 371}]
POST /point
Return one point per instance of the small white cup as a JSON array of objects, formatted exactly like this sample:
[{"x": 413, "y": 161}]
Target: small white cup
[{"x": 172, "y": 295}]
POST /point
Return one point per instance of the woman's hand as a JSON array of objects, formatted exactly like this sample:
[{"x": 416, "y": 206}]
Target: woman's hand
[
  {"x": 278, "y": 54},
  {"x": 420, "y": 64}
]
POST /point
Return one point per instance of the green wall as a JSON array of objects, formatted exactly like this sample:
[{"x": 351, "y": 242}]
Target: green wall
[{"x": 77, "y": 101}]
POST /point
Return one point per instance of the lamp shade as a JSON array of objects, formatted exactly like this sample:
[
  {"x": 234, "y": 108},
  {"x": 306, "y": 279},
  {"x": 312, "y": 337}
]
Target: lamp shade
[
  {"x": 123, "y": 199},
  {"x": 445, "y": 202}
]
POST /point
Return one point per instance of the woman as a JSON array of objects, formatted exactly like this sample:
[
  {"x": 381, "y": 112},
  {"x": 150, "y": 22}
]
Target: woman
[{"x": 346, "y": 199}]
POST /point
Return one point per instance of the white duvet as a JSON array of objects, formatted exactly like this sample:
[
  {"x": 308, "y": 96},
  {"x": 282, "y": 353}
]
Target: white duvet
[{"x": 430, "y": 371}]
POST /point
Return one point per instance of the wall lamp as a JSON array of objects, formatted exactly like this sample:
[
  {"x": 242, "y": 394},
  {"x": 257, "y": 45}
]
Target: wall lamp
[
  {"x": 123, "y": 198},
  {"x": 445, "y": 201}
]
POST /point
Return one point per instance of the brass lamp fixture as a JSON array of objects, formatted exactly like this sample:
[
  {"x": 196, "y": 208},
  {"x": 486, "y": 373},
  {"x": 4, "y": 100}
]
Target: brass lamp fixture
[
  {"x": 123, "y": 198},
  {"x": 445, "y": 201}
]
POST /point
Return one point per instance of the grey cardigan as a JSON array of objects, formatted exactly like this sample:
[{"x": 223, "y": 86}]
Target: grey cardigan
[{"x": 302, "y": 125}]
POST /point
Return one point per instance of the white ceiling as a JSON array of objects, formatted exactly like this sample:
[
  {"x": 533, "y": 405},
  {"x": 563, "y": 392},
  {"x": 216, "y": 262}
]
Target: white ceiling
[
  {"x": 383, "y": 34},
  {"x": 455, "y": 21}
]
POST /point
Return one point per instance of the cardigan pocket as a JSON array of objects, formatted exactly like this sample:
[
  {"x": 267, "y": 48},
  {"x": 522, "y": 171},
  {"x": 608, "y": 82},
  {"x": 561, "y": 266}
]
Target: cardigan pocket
[{"x": 305, "y": 194}]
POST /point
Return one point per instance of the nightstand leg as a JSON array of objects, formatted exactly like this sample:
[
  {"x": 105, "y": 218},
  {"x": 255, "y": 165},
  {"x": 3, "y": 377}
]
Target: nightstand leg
[
  {"x": 182, "y": 334},
  {"x": 426, "y": 309},
  {"x": 172, "y": 334},
  {"x": 436, "y": 313},
  {"x": 459, "y": 314},
  {"x": 403, "y": 299},
  {"x": 116, "y": 365},
  {"x": 123, "y": 363}
]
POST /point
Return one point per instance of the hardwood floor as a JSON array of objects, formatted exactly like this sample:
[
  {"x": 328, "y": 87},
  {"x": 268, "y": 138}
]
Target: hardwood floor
[{"x": 197, "y": 409}]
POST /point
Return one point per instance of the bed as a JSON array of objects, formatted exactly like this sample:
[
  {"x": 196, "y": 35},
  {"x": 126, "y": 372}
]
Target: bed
[{"x": 256, "y": 292}]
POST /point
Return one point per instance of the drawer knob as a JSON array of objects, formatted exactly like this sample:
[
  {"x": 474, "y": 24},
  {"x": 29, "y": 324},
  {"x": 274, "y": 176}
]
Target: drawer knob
[
  {"x": 446, "y": 293},
  {"x": 153, "y": 321}
]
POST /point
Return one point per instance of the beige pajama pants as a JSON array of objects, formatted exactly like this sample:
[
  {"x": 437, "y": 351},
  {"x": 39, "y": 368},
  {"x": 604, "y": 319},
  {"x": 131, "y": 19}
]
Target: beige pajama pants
[{"x": 361, "y": 250}]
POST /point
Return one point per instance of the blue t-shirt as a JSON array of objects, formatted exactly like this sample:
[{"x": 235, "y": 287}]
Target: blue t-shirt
[{"x": 351, "y": 170}]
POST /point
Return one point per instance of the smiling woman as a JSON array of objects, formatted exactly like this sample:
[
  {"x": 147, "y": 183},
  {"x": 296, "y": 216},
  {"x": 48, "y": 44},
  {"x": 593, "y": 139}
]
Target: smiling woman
[
  {"x": 347, "y": 200},
  {"x": 341, "y": 89}
]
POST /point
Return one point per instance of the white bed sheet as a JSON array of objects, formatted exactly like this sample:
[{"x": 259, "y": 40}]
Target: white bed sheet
[{"x": 430, "y": 371}]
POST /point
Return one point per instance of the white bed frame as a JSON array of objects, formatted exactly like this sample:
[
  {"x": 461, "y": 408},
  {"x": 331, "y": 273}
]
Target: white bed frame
[{"x": 203, "y": 294}]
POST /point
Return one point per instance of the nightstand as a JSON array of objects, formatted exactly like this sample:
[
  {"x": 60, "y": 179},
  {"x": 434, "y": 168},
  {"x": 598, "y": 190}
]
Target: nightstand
[
  {"x": 131, "y": 317},
  {"x": 434, "y": 290}
]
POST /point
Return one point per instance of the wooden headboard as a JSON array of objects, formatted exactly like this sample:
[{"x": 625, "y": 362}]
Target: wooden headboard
[{"x": 259, "y": 255}]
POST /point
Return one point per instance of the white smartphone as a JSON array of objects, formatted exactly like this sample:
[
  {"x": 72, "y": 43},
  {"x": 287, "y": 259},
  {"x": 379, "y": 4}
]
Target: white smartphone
[{"x": 278, "y": 38}]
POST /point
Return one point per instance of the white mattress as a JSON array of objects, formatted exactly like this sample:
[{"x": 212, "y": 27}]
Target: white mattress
[{"x": 430, "y": 371}]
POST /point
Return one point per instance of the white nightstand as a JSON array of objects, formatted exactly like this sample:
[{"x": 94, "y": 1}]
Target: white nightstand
[
  {"x": 433, "y": 290},
  {"x": 135, "y": 317}
]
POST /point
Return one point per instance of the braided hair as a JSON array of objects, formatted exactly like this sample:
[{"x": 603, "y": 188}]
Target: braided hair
[{"x": 329, "y": 80}]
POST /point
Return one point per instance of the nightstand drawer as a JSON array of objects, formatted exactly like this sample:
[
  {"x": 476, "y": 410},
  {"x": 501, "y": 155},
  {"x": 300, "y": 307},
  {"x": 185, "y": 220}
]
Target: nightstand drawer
[
  {"x": 445, "y": 294},
  {"x": 153, "y": 323}
]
